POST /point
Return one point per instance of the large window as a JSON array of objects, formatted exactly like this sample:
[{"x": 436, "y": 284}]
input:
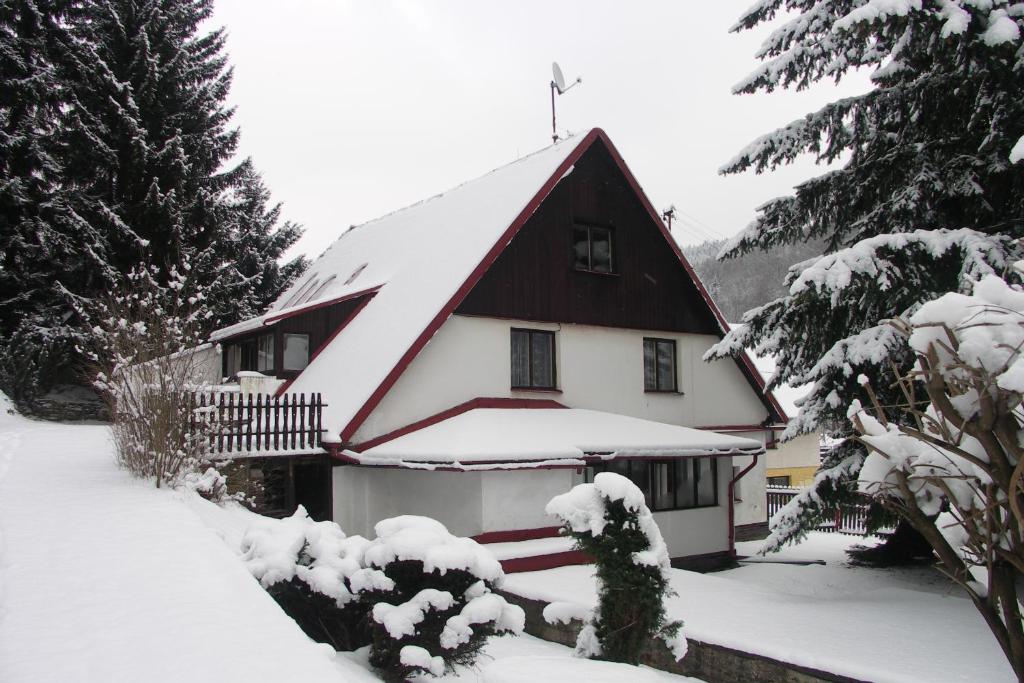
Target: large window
[
  {"x": 592, "y": 249},
  {"x": 659, "y": 364},
  {"x": 296, "y": 351},
  {"x": 533, "y": 359},
  {"x": 668, "y": 484},
  {"x": 265, "y": 353}
]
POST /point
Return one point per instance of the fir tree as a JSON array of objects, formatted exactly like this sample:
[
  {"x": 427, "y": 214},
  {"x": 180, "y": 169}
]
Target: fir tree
[
  {"x": 927, "y": 201},
  {"x": 256, "y": 243}
]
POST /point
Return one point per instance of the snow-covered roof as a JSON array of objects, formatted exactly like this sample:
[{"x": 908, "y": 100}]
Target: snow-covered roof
[{"x": 546, "y": 436}]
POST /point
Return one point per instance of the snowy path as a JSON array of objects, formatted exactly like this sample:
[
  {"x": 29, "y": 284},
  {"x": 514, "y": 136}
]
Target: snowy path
[
  {"x": 107, "y": 579},
  {"x": 877, "y": 625}
]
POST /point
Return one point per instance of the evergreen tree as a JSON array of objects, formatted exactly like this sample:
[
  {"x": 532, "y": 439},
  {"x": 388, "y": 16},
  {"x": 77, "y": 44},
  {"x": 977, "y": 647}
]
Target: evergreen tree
[
  {"x": 116, "y": 148},
  {"x": 39, "y": 237},
  {"x": 927, "y": 201},
  {"x": 256, "y": 244}
]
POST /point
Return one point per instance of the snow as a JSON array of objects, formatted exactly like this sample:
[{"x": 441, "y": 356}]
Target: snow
[
  {"x": 1001, "y": 29},
  {"x": 533, "y": 669},
  {"x": 409, "y": 537},
  {"x": 414, "y": 655},
  {"x": 530, "y": 548},
  {"x": 400, "y": 620},
  {"x": 884, "y": 625},
  {"x": 469, "y": 220},
  {"x": 545, "y": 434},
  {"x": 1017, "y": 153},
  {"x": 108, "y": 579}
]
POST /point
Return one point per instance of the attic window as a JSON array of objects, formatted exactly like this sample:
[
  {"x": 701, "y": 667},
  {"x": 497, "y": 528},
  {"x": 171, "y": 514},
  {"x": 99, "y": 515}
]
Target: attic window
[
  {"x": 355, "y": 274},
  {"x": 304, "y": 289},
  {"x": 315, "y": 293},
  {"x": 592, "y": 249}
]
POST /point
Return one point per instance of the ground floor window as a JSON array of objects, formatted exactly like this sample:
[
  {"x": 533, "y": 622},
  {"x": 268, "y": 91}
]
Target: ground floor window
[
  {"x": 779, "y": 481},
  {"x": 276, "y": 486},
  {"x": 668, "y": 484}
]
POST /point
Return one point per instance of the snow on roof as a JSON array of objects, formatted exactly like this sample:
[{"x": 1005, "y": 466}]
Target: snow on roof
[
  {"x": 399, "y": 252},
  {"x": 547, "y": 436}
]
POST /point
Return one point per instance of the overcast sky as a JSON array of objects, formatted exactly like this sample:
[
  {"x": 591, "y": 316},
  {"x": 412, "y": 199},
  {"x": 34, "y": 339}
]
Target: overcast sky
[{"x": 354, "y": 108}]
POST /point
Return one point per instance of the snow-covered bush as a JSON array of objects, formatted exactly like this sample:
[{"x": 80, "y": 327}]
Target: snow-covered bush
[
  {"x": 308, "y": 567},
  {"x": 145, "y": 345},
  {"x": 430, "y": 591},
  {"x": 951, "y": 463},
  {"x": 611, "y": 522}
]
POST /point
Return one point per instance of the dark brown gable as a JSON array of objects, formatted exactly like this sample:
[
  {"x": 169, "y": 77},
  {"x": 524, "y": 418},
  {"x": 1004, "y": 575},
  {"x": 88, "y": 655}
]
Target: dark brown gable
[{"x": 535, "y": 278}]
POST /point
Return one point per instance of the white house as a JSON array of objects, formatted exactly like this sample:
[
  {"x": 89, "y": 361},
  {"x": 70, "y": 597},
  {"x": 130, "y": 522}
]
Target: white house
[{"x": 488, "y": 348}]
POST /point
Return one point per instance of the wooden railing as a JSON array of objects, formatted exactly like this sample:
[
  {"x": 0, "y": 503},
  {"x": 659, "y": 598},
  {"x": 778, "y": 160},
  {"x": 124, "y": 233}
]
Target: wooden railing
[
  {"x": 846, "y": 519},
  {"x": 254, "y": 424}
]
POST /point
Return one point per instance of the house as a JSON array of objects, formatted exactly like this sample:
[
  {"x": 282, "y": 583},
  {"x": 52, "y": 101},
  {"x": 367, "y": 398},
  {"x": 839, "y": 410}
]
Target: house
[
  {"x": 481, "y": 351},
  {"x": 793, "y": 463}
]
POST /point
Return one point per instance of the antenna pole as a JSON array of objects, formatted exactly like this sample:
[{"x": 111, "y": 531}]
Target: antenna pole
[{"x": 554, "y": 131}]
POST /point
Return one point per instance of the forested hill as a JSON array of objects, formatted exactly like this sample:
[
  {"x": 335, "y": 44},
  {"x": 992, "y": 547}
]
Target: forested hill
[{"x": 739, "y": 284}]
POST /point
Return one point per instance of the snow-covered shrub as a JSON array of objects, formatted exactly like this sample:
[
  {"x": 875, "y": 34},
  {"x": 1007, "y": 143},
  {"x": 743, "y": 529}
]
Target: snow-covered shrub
[
  {"x": 430, "y": 592},
  {"x": 950, "y": 463},
  {"x": 611, "y": 522},
  {"x": 309, "y": 567},
  {"x": 145, "y": 345}
]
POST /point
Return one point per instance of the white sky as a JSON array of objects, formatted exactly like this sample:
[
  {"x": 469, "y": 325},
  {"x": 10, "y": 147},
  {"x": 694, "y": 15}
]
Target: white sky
[{"x": 354, "y": 108}]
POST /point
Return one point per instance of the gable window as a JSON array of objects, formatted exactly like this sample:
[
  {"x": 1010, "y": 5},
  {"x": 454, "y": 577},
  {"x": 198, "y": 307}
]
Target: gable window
[
  {"x": 296, "y": 351},
  {"x": 668, "y": 484},
  {"x": 533, "y": 359},
  {"x": 592, "y": 249},
  {"x": 659, "y": 364},
  {"x": 265, "y": 353}
]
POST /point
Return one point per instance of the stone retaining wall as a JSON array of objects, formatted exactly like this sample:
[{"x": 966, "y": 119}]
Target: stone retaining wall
[{"x": 713, "y": 663}]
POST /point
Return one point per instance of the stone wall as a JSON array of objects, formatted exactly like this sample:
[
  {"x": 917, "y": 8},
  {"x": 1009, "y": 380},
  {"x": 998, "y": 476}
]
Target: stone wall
[{"x": 712, "y": 663}]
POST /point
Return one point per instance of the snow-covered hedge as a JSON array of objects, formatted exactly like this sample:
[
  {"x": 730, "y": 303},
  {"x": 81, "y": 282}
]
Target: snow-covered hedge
[
  {"x": 421, "y": 595},
  {"x": 610, "y": 521},
  {"x": 308, "y": 567},
  {"x": 433, "y": 605}
]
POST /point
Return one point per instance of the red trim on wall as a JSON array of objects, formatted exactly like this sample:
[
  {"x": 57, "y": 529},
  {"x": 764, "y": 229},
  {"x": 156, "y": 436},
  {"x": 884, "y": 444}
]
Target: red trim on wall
[
  {"x": 540, "y": 562},
  {"x": 316, "y": 352},
  {"x": 457, "y": 410},
  {"x": 460, "y": 294},
  {"x": 516, "y": 535}
]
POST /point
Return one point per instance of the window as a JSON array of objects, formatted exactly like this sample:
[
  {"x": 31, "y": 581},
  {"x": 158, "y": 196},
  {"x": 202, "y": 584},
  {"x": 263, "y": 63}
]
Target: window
[
  {"x": 265, "y": 353},
  {"x": 592, "y": 249},
  {"x": 779, "y": 481},
  {"x": 659, "y": 364},
  {"x": 232, "y": 360},
  {"x": 668, "y": 484},
  {"x": 296, "y": 351},
  {"x": 533, "y": 359}
]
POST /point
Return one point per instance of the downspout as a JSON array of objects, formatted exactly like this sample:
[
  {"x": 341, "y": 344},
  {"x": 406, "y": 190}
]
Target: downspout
[{"x": 732, "y": 504}]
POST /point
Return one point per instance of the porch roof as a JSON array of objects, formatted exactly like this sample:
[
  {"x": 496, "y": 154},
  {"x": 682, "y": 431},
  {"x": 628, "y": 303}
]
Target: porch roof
[{"x": 495, "y": 438}]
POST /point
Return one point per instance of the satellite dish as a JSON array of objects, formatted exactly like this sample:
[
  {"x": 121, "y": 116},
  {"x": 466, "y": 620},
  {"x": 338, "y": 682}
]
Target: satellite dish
[{"x": 556, "y": 72}]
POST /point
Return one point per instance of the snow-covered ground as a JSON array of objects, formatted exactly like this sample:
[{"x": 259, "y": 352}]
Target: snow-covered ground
[
  {"x": 879, "y": 625},
  {"x": 105, "y": 579}
]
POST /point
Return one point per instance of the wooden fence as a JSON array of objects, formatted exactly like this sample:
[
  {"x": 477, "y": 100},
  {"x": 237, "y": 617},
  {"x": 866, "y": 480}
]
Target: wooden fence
[
  {"x": 258, "y": 423},
  {"x": 847, "y": 519}
]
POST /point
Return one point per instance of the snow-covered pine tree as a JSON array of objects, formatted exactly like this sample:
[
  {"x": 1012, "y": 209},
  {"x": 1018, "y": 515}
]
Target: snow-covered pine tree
[
  {"x": 39, "y": 238},
  {"x": 257, "y": 241},
  {"x": 926, "y": 200}
]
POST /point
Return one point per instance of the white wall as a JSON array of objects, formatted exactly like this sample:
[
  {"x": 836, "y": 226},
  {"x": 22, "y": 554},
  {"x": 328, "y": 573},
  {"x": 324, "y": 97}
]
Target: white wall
[
  {"x": 516, "y": 499},
  {"x": 599, "y": 368},
  {"x": 365, "y": 495},
  {"x": 803, "y": 451},
  {"x": 702, "y": 530},
  {"x": 751, "y": 503}
]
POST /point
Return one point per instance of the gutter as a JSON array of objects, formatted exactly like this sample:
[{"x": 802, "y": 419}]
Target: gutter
[{"x": 732, "y": 504}]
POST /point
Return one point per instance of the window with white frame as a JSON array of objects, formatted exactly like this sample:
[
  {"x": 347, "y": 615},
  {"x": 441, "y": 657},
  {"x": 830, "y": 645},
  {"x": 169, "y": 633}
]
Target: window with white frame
[{"x": 668, "y": 484}]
